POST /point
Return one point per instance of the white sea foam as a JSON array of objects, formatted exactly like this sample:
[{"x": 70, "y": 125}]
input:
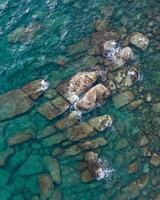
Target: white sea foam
[
  {"x": 105, "y": 172},
  {"x": 44, "y": 85}
]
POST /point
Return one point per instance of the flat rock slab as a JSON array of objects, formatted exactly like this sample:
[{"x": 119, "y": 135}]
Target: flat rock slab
[
  {"x": 60, "y": 103},
  {"x": 53, "y": 108},
  {"x": 20, "y": 137},
  {"x": 34, "y": 89},
  {"x": 53, "y": 168},
  {"x": 45, "y": 132},
  {"x": 14, "y": 103},
  {"x": 67, "y": 122},
  {"x": 122, "y": 99},
  {"x": 53, "y": 139},
  {"x": 80, "y": 131},
  {"x": 48, "y": 110},
  {"x": 46, "y": 186},
  {"x": 93, "y": 144}
]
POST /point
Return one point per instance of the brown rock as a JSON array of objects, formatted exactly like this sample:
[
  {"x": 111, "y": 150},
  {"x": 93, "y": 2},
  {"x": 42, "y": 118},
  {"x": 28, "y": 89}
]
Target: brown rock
[
  {"x": 50, "y": 94},
  {"x": 102, "y": 36},
  {"x": 155, "y": 159},
  {"x": 93, "y": 144},
  {"x": 45, "y": 132},
  {"x": 48, "y": 110},
  {"x": 137, "y": 185},
  {"x": 133, "y": 168},
  {"x": 67, "y": 122},
  {"x": 46, "y": 186},
  {"x": 35, "y": 88},
  {"x": 60, "y": 103},
  {"x": 72, "y": 151},
  {"x": 139, "y": 40},
  {"x": 94, "y": 97},
  {"x": 53, "y": 139},
  {"x": 135, "y": 104},
  {"x": 101, "y": 123},
  {"x": 79, "y": 84},
  {"x": 14, "y": 103},
  {"x": 53, "y": 168},
  {"x": 80, "y": 131},
  {"x": 20, "y": 137},
  {"x": 86, "y": 176}
]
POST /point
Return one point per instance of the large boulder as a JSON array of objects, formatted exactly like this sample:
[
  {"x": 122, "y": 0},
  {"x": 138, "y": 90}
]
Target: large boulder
[
  {"x": 139, "y": 40},
  {"x": 80, "y": 83},
  {"x": 115, "y": 56},
  {"x": 96, "y": 96},
  {"x": 14, "y": 103},
  {"x": 93, "y": 144}
]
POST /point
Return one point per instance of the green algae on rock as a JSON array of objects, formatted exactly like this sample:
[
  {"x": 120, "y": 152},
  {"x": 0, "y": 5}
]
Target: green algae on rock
[
  {"x": 20, "y": 137},
  {"x": 53, "y": 168},
  {"x": 122, "y": 99},
  {"x": 14, "y": 103}
]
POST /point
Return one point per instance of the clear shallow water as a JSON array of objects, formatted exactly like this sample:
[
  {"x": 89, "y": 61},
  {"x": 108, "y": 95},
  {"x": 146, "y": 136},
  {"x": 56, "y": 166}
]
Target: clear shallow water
[{"x": 61, "y": 24}]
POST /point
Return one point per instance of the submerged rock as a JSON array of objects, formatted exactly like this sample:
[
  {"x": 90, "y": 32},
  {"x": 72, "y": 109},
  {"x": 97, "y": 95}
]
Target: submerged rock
[
  {"x": 53, "y": 139},
  {"x": 155, "y": 159},
  {"x": 33, "y": 165},
  {"x": 122, "y": 99},
  {"x": 96, "y": 167},
  {"x": 156, "y": 107},
  {"x": 47, "y": 131},
  {"x": 80, "y": 131},
  {"x": 86, "y": 176},
  {"x": 139, "y": 40},
  {"x": 46, "y": 186},
  {"x": 93, "y": 144},
  {"x": 48, "y": 110},
  {"x": 23, "y": 34},
  {"x": 35, "y": 88},
  {"x": 72, "y": 151},
  {"x": 136, "y": 186},
  {"x": 53, "y": 168},
  {"x": 20, "y": 137},
  {"x": 101, "y": 123},
  {"x": 102, "y": 36},
  {"x": 4, "y": 155},
  {"x": 67, "y": 122},
  {"x": 60, "y": 103},
  {"x": 96, "y": 96},
  {"x": 14, "y": 103},
  {"x": 133, "y": 168}
]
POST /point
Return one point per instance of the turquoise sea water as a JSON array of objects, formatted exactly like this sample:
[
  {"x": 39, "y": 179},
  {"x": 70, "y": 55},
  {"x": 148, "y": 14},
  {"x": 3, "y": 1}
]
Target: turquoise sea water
[{"x": 55, "y": 49}]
